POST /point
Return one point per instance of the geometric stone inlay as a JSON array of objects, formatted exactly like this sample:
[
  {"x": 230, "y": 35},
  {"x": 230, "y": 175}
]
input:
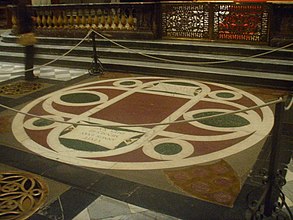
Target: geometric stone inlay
[
  {"x": 152, "y": 106},
  {"x": 80, "y": 98},
  {"x": 223, "y": 121},
  {"x": 21, "y": 88},
  {"x": 217, "y": 183},
  {"x": 168, "y": 148}
]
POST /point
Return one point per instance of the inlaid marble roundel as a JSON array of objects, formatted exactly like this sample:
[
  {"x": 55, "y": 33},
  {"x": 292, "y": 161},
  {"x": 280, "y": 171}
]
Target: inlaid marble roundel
[{"x": 137, "y": 101}]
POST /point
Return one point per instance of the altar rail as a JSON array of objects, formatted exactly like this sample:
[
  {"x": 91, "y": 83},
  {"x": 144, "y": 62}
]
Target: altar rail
[
  {"x": 245, "y": 22},
  {"x": 222, "y": 21},
  {"x": 117, "y": 20}
]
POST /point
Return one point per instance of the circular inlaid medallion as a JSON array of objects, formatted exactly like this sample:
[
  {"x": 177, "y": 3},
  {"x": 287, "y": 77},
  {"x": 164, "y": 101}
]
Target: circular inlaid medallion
[{"x": 153, "y": 106}]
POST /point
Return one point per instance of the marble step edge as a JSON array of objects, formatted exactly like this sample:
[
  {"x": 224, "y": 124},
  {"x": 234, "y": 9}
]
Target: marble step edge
[
  {"x": 139, "y": 54},
  {"x": 83, "y": 62},
  {"x": 173, "y": 45}
]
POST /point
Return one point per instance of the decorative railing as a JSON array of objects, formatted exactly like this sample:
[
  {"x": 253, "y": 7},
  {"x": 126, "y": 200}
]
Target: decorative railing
[
  {"x": 185, "y": 20},
  {"x": 73, "y": 20},
  {"x": 242, "y": 22},
  {"x": 224, "y": 21}
]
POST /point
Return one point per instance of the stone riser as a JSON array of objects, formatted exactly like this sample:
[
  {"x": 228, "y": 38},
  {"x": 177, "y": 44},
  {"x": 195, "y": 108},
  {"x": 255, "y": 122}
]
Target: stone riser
[
  {"x": 174, "y": 46},
  {"x": 132, "y": 56},
  {"x": 116, "y": 59},
  {"x": 158, "y": 71}
]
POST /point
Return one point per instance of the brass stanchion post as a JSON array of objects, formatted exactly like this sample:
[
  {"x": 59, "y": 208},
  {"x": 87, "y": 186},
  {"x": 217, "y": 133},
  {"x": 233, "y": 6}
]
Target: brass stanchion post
[{"x": 96, "y": 66}]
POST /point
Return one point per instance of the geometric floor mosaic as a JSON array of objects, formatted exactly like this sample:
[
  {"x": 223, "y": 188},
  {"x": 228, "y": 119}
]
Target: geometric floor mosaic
[
  {"x": 108, "y": 208},
  {"x": 144, "y": 123},
  {"x": 148, "y": 123}
]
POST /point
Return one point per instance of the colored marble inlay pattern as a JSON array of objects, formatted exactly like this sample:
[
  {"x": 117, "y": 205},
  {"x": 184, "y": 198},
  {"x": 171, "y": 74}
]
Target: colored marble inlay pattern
[
  {"x": 21, "y": 88},
  {"x": 223, "y": 121},
  {"x": 217, "y": 183},
  {"x": 117, "y": 103},
  {"x": 21, "y": 195}
]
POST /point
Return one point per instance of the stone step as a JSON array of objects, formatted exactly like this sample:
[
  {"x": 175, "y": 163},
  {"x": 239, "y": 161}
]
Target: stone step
[
  {"x": 182, "y": 58},
  {"x": 199, "y": 47},
  {"x": 215, "y": 59},
  {"x": 164, "y": 69}
]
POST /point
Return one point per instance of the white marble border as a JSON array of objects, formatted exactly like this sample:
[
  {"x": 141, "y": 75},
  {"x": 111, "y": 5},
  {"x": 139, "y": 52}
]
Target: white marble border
[{"x": 259, "y": 135}]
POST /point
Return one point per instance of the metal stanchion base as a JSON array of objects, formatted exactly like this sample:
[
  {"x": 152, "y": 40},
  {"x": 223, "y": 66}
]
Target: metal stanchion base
[
  {"x": 268, "y": 205},
  {"x": 257, "y": 209},
  {"x": 96, "y": 69},
  {"x": 96, "y": 66}
]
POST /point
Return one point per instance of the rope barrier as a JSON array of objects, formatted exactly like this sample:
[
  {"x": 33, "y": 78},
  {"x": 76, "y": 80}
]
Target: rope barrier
[
  {"x": 56, "y": 59},
  {"x": 150, "y": 124},
  {"x": 289, "y": 105},
  {"x": 147, "y": 124},
  {"x": 149, "y": 56},
  {"x": 186, "y": 62}
]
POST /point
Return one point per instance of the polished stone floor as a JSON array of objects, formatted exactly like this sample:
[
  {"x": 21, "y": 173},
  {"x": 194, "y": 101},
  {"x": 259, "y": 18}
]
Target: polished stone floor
[
  {"x": 13, "y": 70},
  {"x": 98, "y": 195}
]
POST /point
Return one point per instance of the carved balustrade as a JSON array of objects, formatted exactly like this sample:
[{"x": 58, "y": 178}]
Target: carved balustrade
[
  {"x": 118, "y": 20},
  {"x": 242, "y": 22}
]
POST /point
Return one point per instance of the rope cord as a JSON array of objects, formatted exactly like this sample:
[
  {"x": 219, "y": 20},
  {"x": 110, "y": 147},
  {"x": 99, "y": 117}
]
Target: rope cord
[
  {"x": 149, "y": 56},
  {"x": 147, "y": 124},
  {"x": 186, "y": 62},
  {"x": 58, "y": 58},
  {"x": 290, "y": 102}
]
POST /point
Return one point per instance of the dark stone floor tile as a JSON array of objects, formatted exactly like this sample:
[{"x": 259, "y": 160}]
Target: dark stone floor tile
[
  {"x": 74, "y": 176},
  {"x": 39, "y": 217},
  {"x": 114, "y": 187},
  {"x": 68, "y": 174},
  {"x": 4, "y": 101},
  {"x": 285, "y": 156},
  {"x": 68, "y": 205},
  {"x": 288, "y": 129},
  {"x": 11, "y": 157},
  {"x": 25, "y": 161},
  {"x": 77, "y": 79},
  {"x": 266, "y": 149},
  {"x": 180, "y": 206},
  {"x": 287, "y": 142},
  {"x": 38, "y": 164}
]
